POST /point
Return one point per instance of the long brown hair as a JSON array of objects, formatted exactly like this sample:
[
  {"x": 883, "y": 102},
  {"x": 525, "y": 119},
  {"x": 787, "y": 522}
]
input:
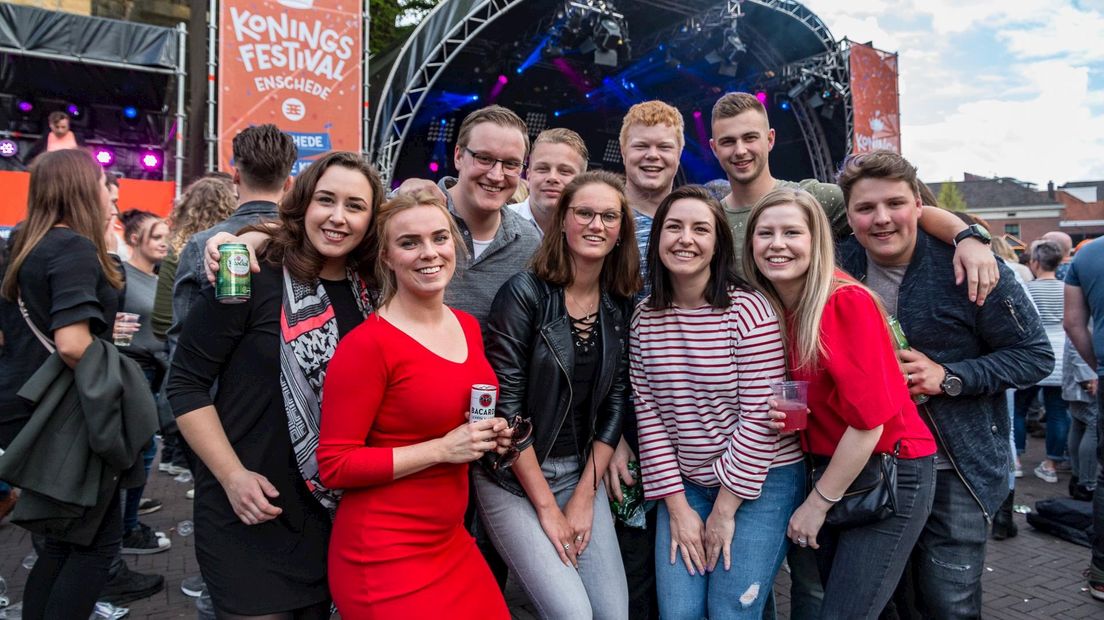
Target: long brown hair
[
  {"x": 621, "y": 268},
  {"x": 289, "y": 244},
  {"x": 64, "y": 190},
  {"x": 722, "y": 267}
]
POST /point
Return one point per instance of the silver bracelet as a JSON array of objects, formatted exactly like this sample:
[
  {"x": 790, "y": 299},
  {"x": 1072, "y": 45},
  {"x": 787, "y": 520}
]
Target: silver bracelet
[{"x": 825, "y": 497}]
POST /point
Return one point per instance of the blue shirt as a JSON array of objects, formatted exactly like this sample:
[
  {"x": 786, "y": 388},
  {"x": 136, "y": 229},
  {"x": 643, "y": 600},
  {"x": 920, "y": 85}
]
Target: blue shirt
[
  {"x": 643, "y": 224},
  {"x": 1087, "y": 272}
]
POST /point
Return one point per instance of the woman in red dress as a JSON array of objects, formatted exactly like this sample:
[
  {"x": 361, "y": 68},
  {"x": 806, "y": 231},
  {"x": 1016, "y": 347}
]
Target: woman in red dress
[{"x": 395, "y": 439}]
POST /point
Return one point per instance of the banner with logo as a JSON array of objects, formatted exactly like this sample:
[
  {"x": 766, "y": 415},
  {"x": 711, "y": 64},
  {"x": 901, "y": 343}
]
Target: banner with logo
[
  {"x": 874, "y": 99},
  {"x": 295, "y": 64}
]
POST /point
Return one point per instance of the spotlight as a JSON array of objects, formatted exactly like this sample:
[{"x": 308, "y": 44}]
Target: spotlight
[
  {"x": 73, "y": 110},
  {"x": 800, "y": 87},
  {"x": 434, "y": 167},
  {"x": 104, "y": 156},
  {"x": 761, "y": 96},
  {"x": 150, "y": 160},
  {"x": 130, "y": 112},
  {"x": 442, "y": 130},
  {"x": 612, "y": 154},
  {"x": 536, "y": 122},
  {"x": 24, "y": 106},
  {"x": 8, "y": 148},
  {"x": 784, "y": 104}
]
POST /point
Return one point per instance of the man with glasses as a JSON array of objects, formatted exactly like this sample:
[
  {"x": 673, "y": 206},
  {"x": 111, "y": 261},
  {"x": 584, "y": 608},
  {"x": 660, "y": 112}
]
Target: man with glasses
[{"x": 489, "y": 157}]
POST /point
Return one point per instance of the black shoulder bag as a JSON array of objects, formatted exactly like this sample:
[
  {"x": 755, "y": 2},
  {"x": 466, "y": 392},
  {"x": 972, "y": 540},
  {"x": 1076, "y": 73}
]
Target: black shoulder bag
[{"x": 871, "y": 497}]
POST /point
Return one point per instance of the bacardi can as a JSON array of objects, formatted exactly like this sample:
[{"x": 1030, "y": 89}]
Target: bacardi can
[
  {"x": 902, "y": 343},
  {"x": 483, "y": 399},
  {"x": 234, "y": 283}
]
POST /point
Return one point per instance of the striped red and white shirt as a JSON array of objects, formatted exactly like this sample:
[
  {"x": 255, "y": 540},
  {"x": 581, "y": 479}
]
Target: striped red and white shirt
[{"x": 701, "y": 379}]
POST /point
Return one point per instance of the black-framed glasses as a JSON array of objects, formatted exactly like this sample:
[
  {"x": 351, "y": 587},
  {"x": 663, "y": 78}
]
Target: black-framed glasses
[
  {"x": 585, "y": 215},
  {"x": 522, "y": 439},
  {"x": 510, "y": 167}
]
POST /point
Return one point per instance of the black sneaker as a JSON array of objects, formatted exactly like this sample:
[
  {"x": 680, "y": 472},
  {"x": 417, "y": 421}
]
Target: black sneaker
[
  {"x": 147, "y": 505},
  {"x": 192, "y": 586},
  {"x": 143, "y": 541},
  {"x": 128, "y": 585}
]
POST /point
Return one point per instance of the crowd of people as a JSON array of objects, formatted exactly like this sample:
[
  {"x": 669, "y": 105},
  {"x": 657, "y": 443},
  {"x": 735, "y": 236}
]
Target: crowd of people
[{"x": 639, "y": 463}]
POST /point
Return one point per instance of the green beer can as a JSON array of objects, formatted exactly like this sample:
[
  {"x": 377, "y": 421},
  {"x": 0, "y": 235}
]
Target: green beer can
[{"x": 234, "y": 282}]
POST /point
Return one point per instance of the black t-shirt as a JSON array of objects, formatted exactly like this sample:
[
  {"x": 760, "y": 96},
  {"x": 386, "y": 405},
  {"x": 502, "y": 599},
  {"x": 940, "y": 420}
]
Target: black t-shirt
[
  {"x": 575, "y": 432},
  {"x": 61, "y": 283},
  {"x": 344, "y": 304}
]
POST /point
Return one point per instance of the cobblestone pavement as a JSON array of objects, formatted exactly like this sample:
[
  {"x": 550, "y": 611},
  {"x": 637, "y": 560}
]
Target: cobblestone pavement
[{"x": 1031, "y": 576}]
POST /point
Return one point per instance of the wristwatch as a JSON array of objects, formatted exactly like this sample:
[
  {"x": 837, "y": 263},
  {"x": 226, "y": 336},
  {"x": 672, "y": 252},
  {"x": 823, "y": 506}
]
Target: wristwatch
[
  {"x": 975, "y": 231},
  {"x": 952, "y": 384}
]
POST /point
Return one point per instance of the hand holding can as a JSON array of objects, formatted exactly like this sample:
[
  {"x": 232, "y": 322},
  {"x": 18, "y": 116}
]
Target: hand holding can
[{"x": 483, "y": 400}]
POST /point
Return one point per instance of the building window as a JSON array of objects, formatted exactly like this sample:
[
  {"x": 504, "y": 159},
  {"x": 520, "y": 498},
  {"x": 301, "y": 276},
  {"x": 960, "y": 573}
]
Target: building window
[{"x": 1012, "y": 229}]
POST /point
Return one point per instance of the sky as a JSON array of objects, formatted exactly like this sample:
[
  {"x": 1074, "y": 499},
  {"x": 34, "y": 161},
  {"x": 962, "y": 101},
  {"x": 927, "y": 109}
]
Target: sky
[{"x": 990, "y": 87}]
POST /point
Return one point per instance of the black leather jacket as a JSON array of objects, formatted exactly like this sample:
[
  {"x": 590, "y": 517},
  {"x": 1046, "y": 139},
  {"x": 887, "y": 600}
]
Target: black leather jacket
[{"x": 529, "y": 344}]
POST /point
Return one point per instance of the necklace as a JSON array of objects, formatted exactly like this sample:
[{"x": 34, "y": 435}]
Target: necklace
[{"x": 588, "y": 311}]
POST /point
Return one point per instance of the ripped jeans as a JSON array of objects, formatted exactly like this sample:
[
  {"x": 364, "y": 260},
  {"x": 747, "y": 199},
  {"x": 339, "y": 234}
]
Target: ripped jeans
[
  {"x": 759, "y": 544},
  {"x": 949, "y": 557}
]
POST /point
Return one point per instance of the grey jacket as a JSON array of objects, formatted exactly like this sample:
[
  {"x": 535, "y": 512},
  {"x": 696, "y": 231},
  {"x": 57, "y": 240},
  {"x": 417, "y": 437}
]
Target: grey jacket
[
  {"x": 89, "y": 426},
  {"x": 992, "y": 348}
]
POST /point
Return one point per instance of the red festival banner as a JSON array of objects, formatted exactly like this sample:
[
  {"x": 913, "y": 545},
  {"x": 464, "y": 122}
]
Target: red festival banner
[
  {"x": 874, "y": 99},
  {"x": 293, "y": 63}
]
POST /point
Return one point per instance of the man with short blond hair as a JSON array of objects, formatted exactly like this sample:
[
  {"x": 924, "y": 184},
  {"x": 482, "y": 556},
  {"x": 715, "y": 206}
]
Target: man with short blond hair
[{"x": 557, "y": 157}]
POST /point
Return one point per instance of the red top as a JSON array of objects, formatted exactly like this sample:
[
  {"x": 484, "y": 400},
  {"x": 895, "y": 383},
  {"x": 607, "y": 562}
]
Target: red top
[{"x": 857, "y": 381}]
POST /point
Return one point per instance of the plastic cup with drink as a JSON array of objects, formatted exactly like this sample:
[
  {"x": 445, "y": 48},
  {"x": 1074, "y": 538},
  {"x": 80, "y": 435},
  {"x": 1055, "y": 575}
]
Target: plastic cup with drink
[
  {"x": 126, "y": 324},
  {"x": 792, "y": 399}
]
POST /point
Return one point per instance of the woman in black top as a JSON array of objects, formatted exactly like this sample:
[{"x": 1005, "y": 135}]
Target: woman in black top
[
  {"x": 557, "y": 338},
  {"x": 262, "y": 515},
  {"x": 69, "y": 286}
]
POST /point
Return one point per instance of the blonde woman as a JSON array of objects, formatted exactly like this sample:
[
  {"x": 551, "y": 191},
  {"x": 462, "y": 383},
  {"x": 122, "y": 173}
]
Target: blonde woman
[{"x": 838, "y": 341}]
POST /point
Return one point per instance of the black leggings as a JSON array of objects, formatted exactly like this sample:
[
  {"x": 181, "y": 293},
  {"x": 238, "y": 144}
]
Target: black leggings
[{"x": 67, "y": 579}]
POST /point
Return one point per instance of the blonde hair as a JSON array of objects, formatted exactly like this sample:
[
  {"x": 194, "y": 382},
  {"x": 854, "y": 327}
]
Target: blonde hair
[
  {"x": 651, "y": 113},
  {"x": 560, "y": 135},
  {"x": 496, "y": 114},
  {"x": 820, "y": 280},
  {"x": 203, "y": 204},
  {"x": 385, "y": 276}
]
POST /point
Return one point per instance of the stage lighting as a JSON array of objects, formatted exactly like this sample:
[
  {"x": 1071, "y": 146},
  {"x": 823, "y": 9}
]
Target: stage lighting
[
  {"x": 104, "y": 156},
  {"x": 800, "y": 87},
  {"x": 612, "y": 154},
  {"x": 761, "y": 96},
  {"x": 8, "y": 148},
  {"x": 150, "y": 160},
  {"x": 130, "y": 112},
  {"x": 24, "y": 106},
  {"x": 434, "y": 167},
  {"x": 442, "y": 130},
  {"x": 536, "y": 122},
  {"x": 73, "y": 110}
]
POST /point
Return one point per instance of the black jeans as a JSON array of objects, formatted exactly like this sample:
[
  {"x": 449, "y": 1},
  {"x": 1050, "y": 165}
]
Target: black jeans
[
  {"x": 638, "y": 556},
  {"x": 860, "y": 566},
  {"x": 67, "y": 579}
]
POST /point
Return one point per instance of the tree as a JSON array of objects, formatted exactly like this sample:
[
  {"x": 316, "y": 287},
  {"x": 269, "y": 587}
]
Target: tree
[
  {"x": 394, "y": 20},
  {"x": 950, "y": 198}
]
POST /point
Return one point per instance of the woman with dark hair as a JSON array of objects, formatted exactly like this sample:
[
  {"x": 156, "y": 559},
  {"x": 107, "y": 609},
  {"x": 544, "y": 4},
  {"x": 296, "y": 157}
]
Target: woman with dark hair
[
  {"x": 704, "y": 350},
  {"x": 839, "y": 341},
  {"x": 262, "y": 514},
  {"x": 62, "y": 277},
  {"x": 146, "y": 235},
  {"x": 394, "y": 437},
  {"x": 557, "y": 339}
]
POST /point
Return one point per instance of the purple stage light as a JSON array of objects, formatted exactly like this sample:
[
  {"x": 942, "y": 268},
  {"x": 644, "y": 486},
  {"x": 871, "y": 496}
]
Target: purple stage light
[
  {"x": 502, "y": 79},
  {"x": 434, "y": 167},
  {"x": 697, "y": 114},
  {"x": 8, "y": 148},
  {"x": 73, "y": 110},
  {"x": 104, "y": 157},
  {"x": 762, "y": 97},
  {"x": 150, "y": 160},
  {"x": 25, "y": 106}
]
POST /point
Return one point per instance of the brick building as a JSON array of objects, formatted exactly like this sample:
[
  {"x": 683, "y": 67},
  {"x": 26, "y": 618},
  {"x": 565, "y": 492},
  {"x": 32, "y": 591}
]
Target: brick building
[{"x": 1021, "y": 212}]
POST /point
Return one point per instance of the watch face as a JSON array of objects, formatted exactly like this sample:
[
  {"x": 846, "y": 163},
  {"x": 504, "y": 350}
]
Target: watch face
[
  {"x": 952, "y": 385},
  {"x": 981, "y": 232}
]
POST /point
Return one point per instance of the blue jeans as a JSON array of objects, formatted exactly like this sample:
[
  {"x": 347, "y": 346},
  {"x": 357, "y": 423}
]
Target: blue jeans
[
  {"x": 597, "y": 589},
  {"x": 1097, "y": 565},
  {"x": 133, "y": 497},
  {"x": 759, "y": 544},
  {"x": 861, "y": 566},
  {"x": 1057, "y": 419},
  {"x": 949, "y": 557}
]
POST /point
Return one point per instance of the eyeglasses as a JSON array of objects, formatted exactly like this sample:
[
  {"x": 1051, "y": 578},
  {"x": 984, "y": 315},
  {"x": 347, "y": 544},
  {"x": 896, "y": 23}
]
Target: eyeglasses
[
  {"x": 510, "y": 167},
  {"x": 522, "y": 439},
  {"x": 585, "y": 215}
]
